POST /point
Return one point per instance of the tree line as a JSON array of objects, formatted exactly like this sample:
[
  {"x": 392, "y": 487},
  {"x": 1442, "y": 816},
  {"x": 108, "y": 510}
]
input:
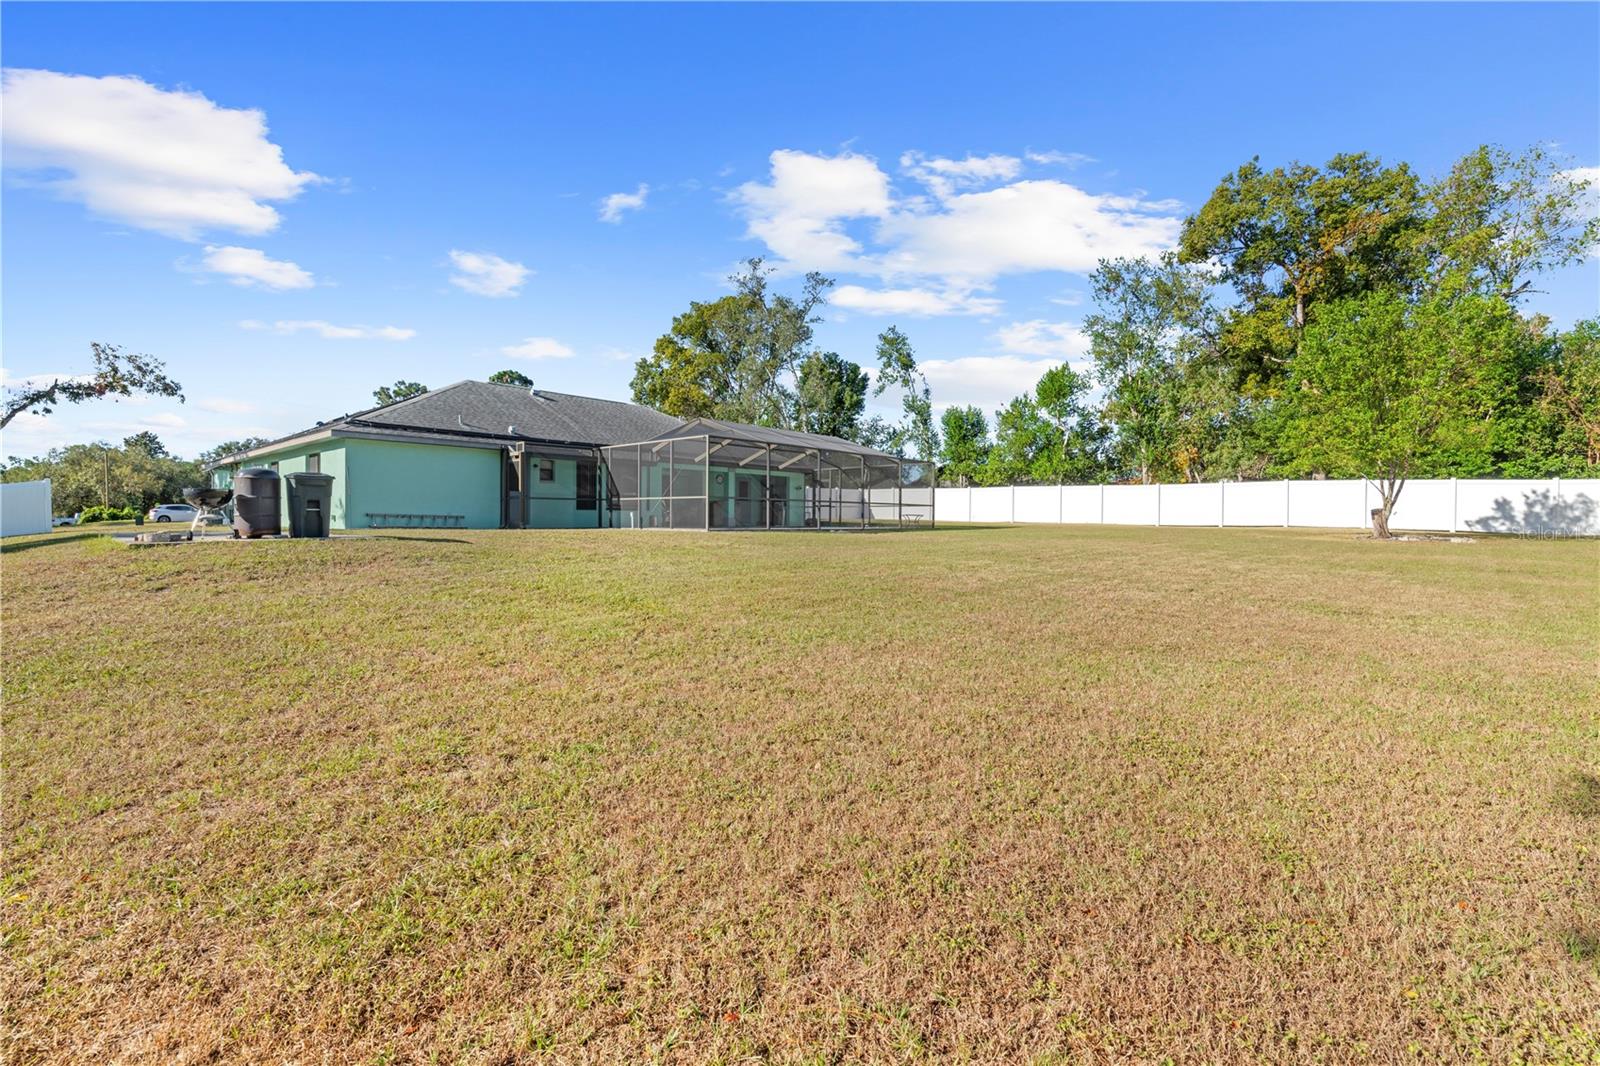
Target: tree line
[
  {"x": 138, "y": 474},
  {"x": 1347, "y": 320}
]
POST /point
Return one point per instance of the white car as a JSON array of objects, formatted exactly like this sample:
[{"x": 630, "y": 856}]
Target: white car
[
  {"x": 64, "y": 520},
  {"x": 171, "y": 512}
]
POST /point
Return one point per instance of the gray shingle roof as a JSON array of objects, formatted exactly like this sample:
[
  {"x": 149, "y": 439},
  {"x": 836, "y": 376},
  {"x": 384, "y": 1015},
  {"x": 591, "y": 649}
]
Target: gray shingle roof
[
  {"x": 472, "y": 411},
  {"x": 516, "y": 411}
]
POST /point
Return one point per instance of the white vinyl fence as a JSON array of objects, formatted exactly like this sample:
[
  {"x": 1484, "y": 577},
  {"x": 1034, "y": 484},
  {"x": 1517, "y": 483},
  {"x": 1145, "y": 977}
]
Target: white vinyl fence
[
  {"x": 24, "y": 508},
  {"x": 1549, "y": 506}
]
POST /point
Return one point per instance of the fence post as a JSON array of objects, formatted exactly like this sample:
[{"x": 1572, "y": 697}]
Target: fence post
[
  {"x": 1102, "y": 503},
  {"x": 1222, "y": 504},
  {"x": 1158, "y": 504},
  {"x": 1013, "y": 505},
  {"x": 1455, "y": 506},
  {"x": 1286, "y": 491},
  {"x": 1061, "y": 505}
]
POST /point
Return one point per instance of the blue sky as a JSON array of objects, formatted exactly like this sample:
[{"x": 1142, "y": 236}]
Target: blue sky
[{"x": 268, "y": 197}]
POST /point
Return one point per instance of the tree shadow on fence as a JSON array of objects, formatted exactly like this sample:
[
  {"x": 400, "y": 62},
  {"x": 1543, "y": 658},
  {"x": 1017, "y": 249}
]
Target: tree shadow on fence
[{"x": 1542, "y": 512}]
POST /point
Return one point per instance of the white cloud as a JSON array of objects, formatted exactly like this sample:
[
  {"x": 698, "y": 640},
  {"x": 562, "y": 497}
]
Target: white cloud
[
  {"x": 486, "y": 274},
  {"x": 1063, "y": 159},
  {"x": 1590, "y": 175},
  {"x": 613, "y": 206},
  {"x": 945, "y": 176},
  {"x": 963, "y": 239},
  {"x": 172, "y": 162},
  {"x": 989, "y": 381},
  {"x": 911, "y": 302},
  {"x": 800, "y": 214},
  {"x": 164, "y": 420},
  {"x": 1591, "y": 195},
  {"x": 1025, "y": 227},
  {"x": 251, "y": 268},
  {"x": 1062, "y": 340},
  {"x": 329, "y": 331},
  {"x": 538, "y": 348}
]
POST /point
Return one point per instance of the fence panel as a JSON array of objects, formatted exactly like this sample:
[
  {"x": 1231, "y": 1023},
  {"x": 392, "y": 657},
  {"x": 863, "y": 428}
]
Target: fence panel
[
  {"x": 1255, "y": 503},
  {"x": 24, "y": 508},
  {"x": 991, "y": 504},
  {"x": 1081, "y": 503},
  {"x": 1328, "y": 504},
  {"x": 1132, "y": 505},
  {"x": 953, "y": 505},
  {"x": 1036, "y": 503},
  {"x": 1567, "y": 505},
  {"x": 1423, "y": 505},
  {"x": 1563, "y": 506},
  {"x": 1191, "y": 505}
]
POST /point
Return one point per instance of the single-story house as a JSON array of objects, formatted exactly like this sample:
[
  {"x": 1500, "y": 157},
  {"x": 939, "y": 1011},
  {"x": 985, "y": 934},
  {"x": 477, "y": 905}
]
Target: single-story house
[{"x": 478, "y": 455}]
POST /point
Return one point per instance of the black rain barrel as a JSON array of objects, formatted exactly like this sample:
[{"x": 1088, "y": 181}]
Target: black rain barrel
[
  {"x": 255, "y": 502},
  {"x": 310, "y": 504}
]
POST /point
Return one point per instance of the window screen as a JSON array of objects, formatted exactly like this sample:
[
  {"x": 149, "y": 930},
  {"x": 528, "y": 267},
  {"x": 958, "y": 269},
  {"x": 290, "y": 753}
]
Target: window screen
[
  {"x": 314, "y": 463},
  {"x": 586, "y": 484}
]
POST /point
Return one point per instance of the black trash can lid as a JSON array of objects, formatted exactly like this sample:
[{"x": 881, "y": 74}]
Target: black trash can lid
[
  {"x": 257, "y": 471},
  {"x": 309, "y": 478}
]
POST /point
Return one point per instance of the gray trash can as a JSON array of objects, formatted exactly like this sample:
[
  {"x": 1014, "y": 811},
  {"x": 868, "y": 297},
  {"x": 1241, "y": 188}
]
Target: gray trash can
[
  {"x": 255, "y": 503},
  {"x": 310, "y": 504}
]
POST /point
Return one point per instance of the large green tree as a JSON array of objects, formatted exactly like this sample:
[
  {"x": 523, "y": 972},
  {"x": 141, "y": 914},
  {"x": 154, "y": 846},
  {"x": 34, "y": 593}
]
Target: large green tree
[
  {"x": 916, "y": 433},
  {"x": 1170, "y": 397},
  {"x": 1389, "y": 389},
  {"x": 1291, "y": 238},
  {"x": 964, "y": 449},
  {"x": 511, "y": 377},
  {"x": 1496, "y": 221},
  {"x": 1569, "y": 397},
  {"x": 84, "y": 475},
  {"x": 1023, "y": 437},
  {"x": 737, "y": 357},
  {"x": 831, "y": 395},
  {"x": 1072, "y": 455}
]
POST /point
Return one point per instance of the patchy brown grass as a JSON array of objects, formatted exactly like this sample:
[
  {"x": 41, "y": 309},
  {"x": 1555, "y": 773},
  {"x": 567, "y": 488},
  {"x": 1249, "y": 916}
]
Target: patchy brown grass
[{"x": 1019, "y": 794}]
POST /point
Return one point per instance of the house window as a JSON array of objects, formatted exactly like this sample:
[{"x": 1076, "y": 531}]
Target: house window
[
  {"x": 273, "y": 467},
  {"x": 314, "y": 463},
  {"x": 586, "y": 484},
  {"x": 547, "y": 469}
]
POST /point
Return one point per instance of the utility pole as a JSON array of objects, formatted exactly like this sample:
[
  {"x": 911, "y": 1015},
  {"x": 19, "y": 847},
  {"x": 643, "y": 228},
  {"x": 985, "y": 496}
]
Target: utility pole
[{"x": 105, "y": 490}]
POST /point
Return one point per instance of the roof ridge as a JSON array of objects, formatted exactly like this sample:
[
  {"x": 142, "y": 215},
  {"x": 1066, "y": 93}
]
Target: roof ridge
[{"x": 401, "y": 403}]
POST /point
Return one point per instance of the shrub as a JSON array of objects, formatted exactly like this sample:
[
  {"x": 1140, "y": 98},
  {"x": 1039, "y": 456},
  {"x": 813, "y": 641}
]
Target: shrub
[{"x": 108, "y": 514}]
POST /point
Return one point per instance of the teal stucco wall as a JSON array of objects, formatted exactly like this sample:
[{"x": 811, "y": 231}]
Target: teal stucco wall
[
  {"x": 554, "y": 504},
  {"x": 387, "y": 477},
  {"x": 293, "y": 461}
]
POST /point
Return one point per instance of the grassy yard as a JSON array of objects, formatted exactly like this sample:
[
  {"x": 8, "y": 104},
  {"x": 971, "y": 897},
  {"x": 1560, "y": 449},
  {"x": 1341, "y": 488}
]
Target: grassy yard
[{"x": 1000, "y": 795}]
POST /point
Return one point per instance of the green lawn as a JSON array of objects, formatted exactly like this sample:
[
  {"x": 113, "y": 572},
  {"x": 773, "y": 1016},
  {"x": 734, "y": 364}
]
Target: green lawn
[{"x": 1002, "y": 795}]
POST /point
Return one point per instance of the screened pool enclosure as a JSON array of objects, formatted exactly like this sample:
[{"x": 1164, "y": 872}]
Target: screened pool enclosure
[{"x": 720, "y": 475}]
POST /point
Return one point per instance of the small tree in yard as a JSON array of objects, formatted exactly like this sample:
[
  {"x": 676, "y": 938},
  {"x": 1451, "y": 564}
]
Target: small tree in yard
[
  {"x": 116, "y": 373},
  {"x": 1389, "y": 390}
]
